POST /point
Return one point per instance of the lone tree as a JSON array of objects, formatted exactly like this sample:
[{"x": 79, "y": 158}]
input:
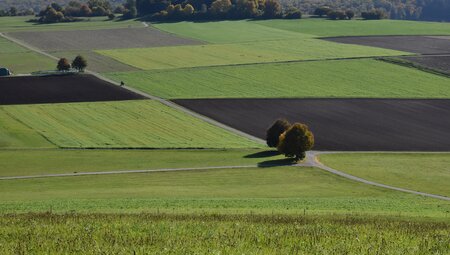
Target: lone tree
[
  {"x": 79, "y": 63},
  {"x": 63, "y": 65},
  {"x": 274, "y": 132},
  {"x": 296, "y": 141}
]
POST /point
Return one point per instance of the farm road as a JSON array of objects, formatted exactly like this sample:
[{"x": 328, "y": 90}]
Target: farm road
[{"x": 311, "y": 160}]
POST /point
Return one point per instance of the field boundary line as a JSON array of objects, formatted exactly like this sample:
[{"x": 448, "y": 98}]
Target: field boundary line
[{"x": 313, "y": 160}]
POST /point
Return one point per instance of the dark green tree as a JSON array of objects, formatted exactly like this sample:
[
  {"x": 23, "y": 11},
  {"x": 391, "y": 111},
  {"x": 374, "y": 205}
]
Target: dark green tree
[
  {"x": 79, "y": 63},
  {"x": 295, "y": 141},
  {"x": 274, "y": 132},
  {"x": 63, "y": 65}
]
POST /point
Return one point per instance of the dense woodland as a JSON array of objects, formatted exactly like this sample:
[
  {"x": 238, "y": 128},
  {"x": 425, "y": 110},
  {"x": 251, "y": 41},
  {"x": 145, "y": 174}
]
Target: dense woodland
[{"x": 437, "y": 10}]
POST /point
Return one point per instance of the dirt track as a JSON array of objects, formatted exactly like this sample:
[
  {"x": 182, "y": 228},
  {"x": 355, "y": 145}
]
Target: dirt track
[
  {"x": 342, "y": 124},
  {"x": 414, "y": 44},
  {"x": 60, "y": 89},
  {"x": 101, "y": 39}
]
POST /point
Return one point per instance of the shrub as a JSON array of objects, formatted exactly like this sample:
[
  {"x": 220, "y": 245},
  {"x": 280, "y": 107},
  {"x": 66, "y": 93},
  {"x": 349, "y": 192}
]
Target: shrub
[
  {"x": 322, "y": 11},
  {"x": 350, "y": 14},
  {"x": 295, "y": 141},
  {"x": 373, "y": 15},
  {"x": 63, "y": 65},
  {"x": 274, "y": 132},
  {"x": 293, "y": 14},
  {"x": 334, "y": 15}
]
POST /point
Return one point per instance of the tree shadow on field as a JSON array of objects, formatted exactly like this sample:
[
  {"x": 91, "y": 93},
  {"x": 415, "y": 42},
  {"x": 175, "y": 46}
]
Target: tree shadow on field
[
  {"x": 277, "y": 162},
  {"x": 263, "y": 154}
]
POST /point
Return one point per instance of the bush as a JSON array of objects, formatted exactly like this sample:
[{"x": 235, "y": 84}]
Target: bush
[
  {"x": 334, "y": 15},
  {"x": 274, "y": 132},
  {"x": 63, "y": 65},
  {"x": 322, "y": 11},
  {"x": 373, "y": 15},
  {"x": 350, "y": 14},
  {"x": 293, "y": 14},
  {"x": 295, "y": 141}
]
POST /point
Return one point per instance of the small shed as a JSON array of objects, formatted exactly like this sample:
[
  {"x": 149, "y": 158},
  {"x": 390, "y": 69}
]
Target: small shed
[{"x": 4, "y": 71}]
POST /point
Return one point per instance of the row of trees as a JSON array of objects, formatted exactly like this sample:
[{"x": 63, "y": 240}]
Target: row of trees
[
  {"x": 349, "y": 14},
  {"x": 292, "y": 140},
  {"x": 92, "y": 8},
  {"x": 79, "y": 63},
  {"x": 12, "y": 11}
]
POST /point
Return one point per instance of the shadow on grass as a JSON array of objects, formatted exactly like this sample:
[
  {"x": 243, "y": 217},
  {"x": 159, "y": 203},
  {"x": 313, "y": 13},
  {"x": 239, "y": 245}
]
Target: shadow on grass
[
  {"x": 277, "y": 162},
  {"x": 262, "y": 154}
]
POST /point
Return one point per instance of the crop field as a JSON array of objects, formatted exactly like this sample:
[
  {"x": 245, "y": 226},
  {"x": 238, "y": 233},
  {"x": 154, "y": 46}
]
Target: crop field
[
  {"x": 217, "y": 234},
  {"x": 101, "y": 39},
  {"x": 60, "y": 89},
  {"x": 416, "y": 44},
  {"x": 20, "y": 60},
  {"x": 39, "y": 162},
  {"x": 225, "y": 31},
  {"x": 326, "y": 28},
  {"x": 439, "y": 63},
  {"x": 365, "y": 78},
  {"x": 341, "y": 124},
  {"x": 126, "y": 124},
  {"x": 288, "y": 190},
  {"x": 429, "y": 172},
  {"x": 20, "y": 23},
  {"x": 244, "y": 53}
]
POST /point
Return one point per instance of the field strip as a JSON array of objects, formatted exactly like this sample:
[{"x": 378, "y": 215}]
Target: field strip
[
  {"x": 306, "y": 164},
  {"x": 312, "y": 159},
  {"x": 163, "y": 101}
]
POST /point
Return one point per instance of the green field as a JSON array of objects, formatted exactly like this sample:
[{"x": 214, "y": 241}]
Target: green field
[
  {"x": 218, "y": 234},
  {"x": 20, "y": 23},
  {"x": 137, "y": 124},
  {"x": 262, "y": 190},
  {"x": 14, "y": 134},
  {"x": 20, "y": 60},
  {"x": 341, "y": 78},
  {"x": 426, "y": 172},
  {"x": 228, "y": 31},
  {"x": 35, "y": 162},
  {"x": 244, "y": 53},
  {"x": 324, "y": 27}
]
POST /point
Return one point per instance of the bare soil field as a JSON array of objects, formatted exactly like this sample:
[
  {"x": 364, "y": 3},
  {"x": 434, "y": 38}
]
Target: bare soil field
[
  {"x": 342, "y": 124},
  {"x": 414, "y": 44},
  {"x": 440, "y": 63},
  {"x": 60, "y": 89},
  {"x": 101, "y": 39}
]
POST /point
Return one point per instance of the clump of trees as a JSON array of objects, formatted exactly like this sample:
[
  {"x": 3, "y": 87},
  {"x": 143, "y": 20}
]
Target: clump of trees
[
  {"x": 334, "y": 14},
  {"x": 79, "y": 63},
  {"x": 12, "y": 11},
  {"x": 291, "y": 140},
  {"x": 374, "y": 14},
  {"x": 54, "y": 12}
]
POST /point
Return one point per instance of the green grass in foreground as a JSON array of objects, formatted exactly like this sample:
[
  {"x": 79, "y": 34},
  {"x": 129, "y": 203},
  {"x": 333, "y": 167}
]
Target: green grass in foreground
[
  {"x": 228, "y": 31},
  {"x": 32, "y": 162},
  {"x": 140, "y": 123},
  {"x": 324, "y": 27},
  {"x": 218, "y": 234},
  {"x": 14, "y": 134},
  {"x": 244, "y": 53},
  {"x": 261, "y": 190},
  {"x": 425, "y": 172},
  {"x": 340, "y": 78},
  {"x": 20, "y": 60},
  {"x": 20, "y": 23}
]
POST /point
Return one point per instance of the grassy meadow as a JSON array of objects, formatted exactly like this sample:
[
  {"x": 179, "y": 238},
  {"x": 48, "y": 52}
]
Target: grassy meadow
[
  {"x": 35, "y": 162},
  {"x": 363, "y": 78},
  {"x": 356, "y": 27},
  {"x": 126, "y": 124},
  {"x": 218, "y": 234},
  {"x": 243, "y": 53},
  {"x": 287, "y": 190},
  {"x": 427, "y": 172},
  {"x": 20, "y": 60}
]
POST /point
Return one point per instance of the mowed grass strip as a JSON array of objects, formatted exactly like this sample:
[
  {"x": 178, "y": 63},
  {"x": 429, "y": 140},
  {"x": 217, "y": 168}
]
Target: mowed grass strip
[
  {"x": 228, "y": 31},
  {"x": 244, "y": 53},
  {"x": 340, "y": 78},
  {"x": 21, "y": 23},
  {"x": 218, "y": 234},
  {"x": 35, "y": 162},
  {"x": 427, "y": 172},
  {"x": 14, "y": 134},
  {"x": 20, "y": 60},
  {"x": 137, "y": 124},
  {"x": 263, "y": 190},
  {"x": 325, "y": 27}
]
